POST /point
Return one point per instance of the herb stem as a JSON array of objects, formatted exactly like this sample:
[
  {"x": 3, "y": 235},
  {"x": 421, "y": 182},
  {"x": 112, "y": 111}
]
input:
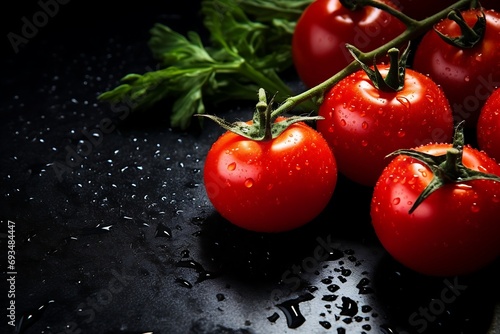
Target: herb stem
[{"x": 414, "y": 28}]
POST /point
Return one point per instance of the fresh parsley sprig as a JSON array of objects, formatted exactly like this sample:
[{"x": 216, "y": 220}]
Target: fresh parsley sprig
[{"x": 249, "y": 46}]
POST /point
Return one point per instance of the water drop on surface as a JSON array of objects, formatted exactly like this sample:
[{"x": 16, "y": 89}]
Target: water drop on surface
[
  {"x": 325, "y": 324},
  {"x": 329, "y": 298},
  {"x": 163, "y": 231},
  {"x": 333, "y": 287},
  {"x": 326, "y": 281},
  {"x": 292, "y": 312},
  {"x": 349, "y": 307},
  {"x": 31, "y": 317},
  {"x": 272, "y": 318},
  {"x": 183, "y": 282},
  {"x": 366, "y": 308}
]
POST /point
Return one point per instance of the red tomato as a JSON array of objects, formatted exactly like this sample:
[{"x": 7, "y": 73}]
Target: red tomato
[
  {"x": 274, "y": 185},
  {"x": 467, "y": 76},
  {"x": 318, "y": 44},
  {"x": 454, "y": 230},
  {"x": 363, "y": 124},
  {"x": 488, "y": 126}
]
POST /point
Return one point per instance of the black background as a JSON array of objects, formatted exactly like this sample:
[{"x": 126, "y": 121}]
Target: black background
[{"x": 125, "y": 240}]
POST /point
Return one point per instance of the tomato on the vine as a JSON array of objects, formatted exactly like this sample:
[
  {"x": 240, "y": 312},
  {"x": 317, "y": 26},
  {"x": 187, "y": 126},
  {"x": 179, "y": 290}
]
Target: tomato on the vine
[
  {"x": 435, "y": 209},
  {"x": 271, "y": 185},
  {"x": 468, "y": 72},
  {"x": 488, "y": 126},
  {"x": 363, "y": 123},
  {"x": 325, "y": 26}
]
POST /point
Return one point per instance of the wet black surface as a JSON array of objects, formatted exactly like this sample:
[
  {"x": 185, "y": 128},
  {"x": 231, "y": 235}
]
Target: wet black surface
[{"x": 114, "y": 233}]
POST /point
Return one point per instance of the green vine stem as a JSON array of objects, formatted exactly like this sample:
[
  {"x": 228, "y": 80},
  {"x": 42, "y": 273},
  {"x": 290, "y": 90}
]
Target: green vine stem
[{"x": 414, "y": 28}]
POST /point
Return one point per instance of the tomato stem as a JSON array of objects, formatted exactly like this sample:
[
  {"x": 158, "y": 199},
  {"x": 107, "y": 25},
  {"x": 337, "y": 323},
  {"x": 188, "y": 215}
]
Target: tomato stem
[
  {"x": 470, "y": 35},
  {"x": 414, "y": 29},
  {"x": 394, "y": 81},
  {"x": 447, "y": 168},
  {"x": 264, "y": 125}
]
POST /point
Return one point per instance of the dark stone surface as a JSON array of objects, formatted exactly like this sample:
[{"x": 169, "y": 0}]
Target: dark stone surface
[{"x": 121, "y": 237}]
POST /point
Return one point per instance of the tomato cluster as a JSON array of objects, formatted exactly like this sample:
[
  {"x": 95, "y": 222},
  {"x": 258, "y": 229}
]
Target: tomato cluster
[{"x": 395, "y": 125}]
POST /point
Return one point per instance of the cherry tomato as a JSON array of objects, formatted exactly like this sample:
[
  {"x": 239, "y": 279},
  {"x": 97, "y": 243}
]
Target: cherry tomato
[
  {"x": 454, "y": 230},
  {"x": 363, "y": 124},
  {"x": 466, "y": 75},
  {"x": 488, "y": 126},
  {"x": 273, "y": 185},
  {"x": 325, "y": 26}
]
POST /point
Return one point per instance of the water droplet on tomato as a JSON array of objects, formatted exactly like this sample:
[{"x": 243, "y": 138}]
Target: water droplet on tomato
[
  {"x": 364, "y": 125},
  {"x": 249, "y": 183},
  {"x": 481, "y": 168},
  {"x": 343, "y": 122},
  {"x": 396, "y": 201},
  {"x": 404, "y": 101},
  {"x": 495, "y": 199},
  {"x": 423, "y": 172},
  {"x": 401, "y": 133},
  {"x": 475, "y": 208},
  {"x": 467, "y": 78},
  {"x": 297, "y": 167},
  {"x": 231, "y": 166},
  {"x": 364, "y": 143},
  {"x": 330, "y": 129},
  {"x": 413, "y": 179},
  {"x": 430, "y": 98}
]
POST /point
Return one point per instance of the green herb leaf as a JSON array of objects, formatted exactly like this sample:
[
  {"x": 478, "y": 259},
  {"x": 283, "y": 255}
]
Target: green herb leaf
[{"x": 248, "y": 48}]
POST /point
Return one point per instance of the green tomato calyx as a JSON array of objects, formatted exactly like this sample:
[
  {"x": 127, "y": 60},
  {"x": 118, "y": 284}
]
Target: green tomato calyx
[
  {"x": 470, "y": 35},
  {"x": 264, "y": 125},
  {"x": 447, "y": 168},
  {"x": 394, "y": 81}
]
